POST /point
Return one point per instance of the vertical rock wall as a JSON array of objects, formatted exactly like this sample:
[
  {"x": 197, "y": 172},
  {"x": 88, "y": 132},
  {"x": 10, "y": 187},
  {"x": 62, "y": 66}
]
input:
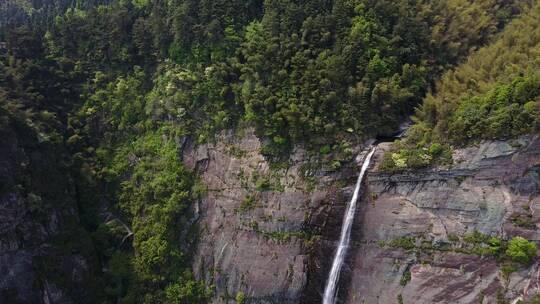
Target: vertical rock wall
[
  {"x": 484, "y": 191},
  {"x": 261, "y": 226},
  {"x": 269, "y": 233}
]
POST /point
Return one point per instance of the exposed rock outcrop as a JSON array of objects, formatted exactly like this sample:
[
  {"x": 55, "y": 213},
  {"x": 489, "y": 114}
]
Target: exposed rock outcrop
[
  {"x": 483, "y": 191},
  {"x": 269, "y": 233},
  {"x": 259, "y": 225}
]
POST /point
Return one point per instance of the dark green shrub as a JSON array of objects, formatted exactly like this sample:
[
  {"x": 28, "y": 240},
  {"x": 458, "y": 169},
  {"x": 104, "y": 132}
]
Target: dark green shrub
[
  {"x": 405, "y": 242},
  {"x": 324, "y": 150},
  {"x": 263, "y": 184},
  {"x": 247, "y": 204},
  {"x": 435, "y": 149},
  {"x": 507, "y": 269},
  {"x": 405, "y": 278},
  {"x": 523, "y": 220}
]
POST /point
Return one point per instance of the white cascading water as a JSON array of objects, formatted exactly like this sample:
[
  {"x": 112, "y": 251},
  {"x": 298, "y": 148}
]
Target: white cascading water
[{"x": 331, "y": 283}]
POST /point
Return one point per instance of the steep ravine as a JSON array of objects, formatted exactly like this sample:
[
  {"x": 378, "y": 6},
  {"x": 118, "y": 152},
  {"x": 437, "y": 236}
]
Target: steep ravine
[{"x": 269, "y": 233}]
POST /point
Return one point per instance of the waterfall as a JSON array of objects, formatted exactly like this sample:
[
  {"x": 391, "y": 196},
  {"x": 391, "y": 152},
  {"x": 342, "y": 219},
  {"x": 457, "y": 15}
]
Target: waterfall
[{"x": 333, "y": 277}]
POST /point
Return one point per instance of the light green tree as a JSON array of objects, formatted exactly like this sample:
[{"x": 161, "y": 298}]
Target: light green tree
[{"x": 521, "y": 250}]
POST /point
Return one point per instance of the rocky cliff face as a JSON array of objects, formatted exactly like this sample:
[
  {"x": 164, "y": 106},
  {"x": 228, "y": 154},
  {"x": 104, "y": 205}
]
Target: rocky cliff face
[
  {"x": 269, "y": 233},
  {"x": 491, "y": 189},
  {"x": 259, "y": 225}
]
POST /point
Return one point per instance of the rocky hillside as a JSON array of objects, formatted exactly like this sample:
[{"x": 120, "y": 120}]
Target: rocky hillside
[{"x": 268, "y": 234}]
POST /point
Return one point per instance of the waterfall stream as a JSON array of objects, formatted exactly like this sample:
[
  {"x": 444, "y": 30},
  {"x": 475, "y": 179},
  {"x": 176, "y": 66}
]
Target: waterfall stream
[{"x": 333, "y": 277}]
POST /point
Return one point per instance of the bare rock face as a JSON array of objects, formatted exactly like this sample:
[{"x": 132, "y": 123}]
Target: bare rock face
[
  {"x": 259, "y": 225},
  {"x": 484, "y": 191},
  {"x": 270, "y": 233}
]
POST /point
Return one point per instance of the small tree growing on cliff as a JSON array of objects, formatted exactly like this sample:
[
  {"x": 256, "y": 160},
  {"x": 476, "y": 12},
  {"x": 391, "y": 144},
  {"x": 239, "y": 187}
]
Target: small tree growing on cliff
[{"x": 521, "y": 250}]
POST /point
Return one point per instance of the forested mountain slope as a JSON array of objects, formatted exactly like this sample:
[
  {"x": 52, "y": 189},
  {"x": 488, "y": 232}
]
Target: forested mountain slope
[
  {"x": 494, "y": 94},
  {"x": 107, "y": 109}
]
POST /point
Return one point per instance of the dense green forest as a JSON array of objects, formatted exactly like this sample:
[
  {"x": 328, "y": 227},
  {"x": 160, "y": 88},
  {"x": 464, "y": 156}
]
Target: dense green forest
[
  {"x": 494, "y": 94},
  {"x": 111, "y": 87}
]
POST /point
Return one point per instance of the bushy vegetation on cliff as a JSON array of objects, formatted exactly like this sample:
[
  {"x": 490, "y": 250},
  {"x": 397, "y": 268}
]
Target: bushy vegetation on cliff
[{"x": 119, "y": 85}]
